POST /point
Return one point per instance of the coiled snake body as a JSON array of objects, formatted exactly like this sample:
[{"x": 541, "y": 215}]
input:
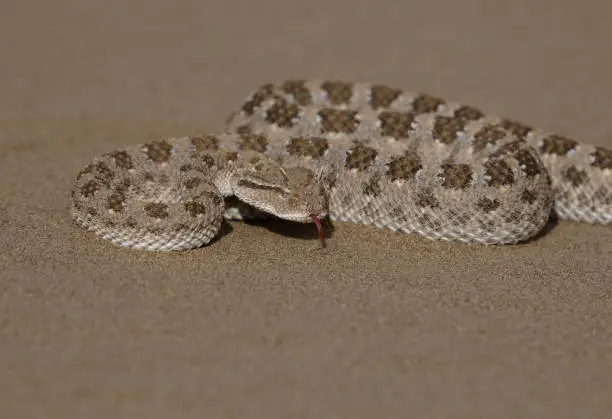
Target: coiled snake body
[{"x": 362, "y": 152}]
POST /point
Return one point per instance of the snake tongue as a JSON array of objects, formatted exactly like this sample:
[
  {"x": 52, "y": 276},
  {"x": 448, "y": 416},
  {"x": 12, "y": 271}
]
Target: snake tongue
[{"x": 317, "y": 223}]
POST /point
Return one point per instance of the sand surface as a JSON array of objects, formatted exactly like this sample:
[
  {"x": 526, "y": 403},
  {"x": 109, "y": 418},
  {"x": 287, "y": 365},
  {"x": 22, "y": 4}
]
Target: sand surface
[{"x": 257, "y": 325}]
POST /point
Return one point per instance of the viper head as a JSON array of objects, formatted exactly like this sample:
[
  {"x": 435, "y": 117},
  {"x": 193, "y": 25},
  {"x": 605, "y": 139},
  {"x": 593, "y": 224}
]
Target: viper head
[{"x": 289, "y": 193}]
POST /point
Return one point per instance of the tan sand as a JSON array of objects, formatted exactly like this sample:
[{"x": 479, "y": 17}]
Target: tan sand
[{"x": 256, "y": 325}]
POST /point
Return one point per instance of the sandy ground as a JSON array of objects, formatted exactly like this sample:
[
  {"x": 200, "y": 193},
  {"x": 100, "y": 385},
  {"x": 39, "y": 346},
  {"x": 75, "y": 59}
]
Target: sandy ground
[{"x": 256, "y": 325}]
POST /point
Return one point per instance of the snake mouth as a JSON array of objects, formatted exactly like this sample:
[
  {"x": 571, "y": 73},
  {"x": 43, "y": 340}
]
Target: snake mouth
[{"x": 319, "y": 226}]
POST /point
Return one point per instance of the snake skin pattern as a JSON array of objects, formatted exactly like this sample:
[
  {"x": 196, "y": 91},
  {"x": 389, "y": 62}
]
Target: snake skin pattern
[{"x": 359, "y": 152}]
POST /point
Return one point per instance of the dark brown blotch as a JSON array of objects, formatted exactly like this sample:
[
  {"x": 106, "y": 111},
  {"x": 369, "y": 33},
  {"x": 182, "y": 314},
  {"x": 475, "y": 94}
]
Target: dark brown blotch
[
  {"x": 89, "y": 188},
  {"x": 115, "y": 202},
  {"x": 382, "y": 96},
  {"x": 468, "y": 113},
  {"x": 339, "y": 120},
  {"x": 602, "y": 158},
  {"x": 208, "y": 160},
  {"x": 282, "y": 113},
  {"x": 254, "y": 142},
  {"x": 194, "y": 208},
  {"x": 360, "y": 157},
  {"x": 426, "y": 199},
  {"x": 299, "y": 91},
  {"x": 158, "y": 151},
  {"x": 266, "y": 91},
  {"x": 396, "y": 124},
  {"x": 404, "y": 167},
  {"x": 456, "y": 175},
  {"x": 575, "y": 177},
  {"x": 487, "y": 205},
  {"x": 529, "y": 162},
  {"x": 425, "y": 103},
  {"x": 338, "y": 92},
  {"x": 156, "y": 210},
  {"x": 528, "y": 196},
  {"x": 446, "y": 128},
  {"x": 516, "y": 128},
  {"x": 499, "y": 173},
  {"x": 215, "y": 198},
  {"x": 489, "y": 134},
  {"x": 557, "y": 144},
  {"x": 122, "y": 160},
  {"x": 205, "y": 143},
  {"x": 313, "y": 147},
  {"x": 98, "y": 170}
]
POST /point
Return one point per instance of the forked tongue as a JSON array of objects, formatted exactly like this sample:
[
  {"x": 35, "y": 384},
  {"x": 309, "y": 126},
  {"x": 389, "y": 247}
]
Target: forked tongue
[{"x": 317, "y": 223}]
